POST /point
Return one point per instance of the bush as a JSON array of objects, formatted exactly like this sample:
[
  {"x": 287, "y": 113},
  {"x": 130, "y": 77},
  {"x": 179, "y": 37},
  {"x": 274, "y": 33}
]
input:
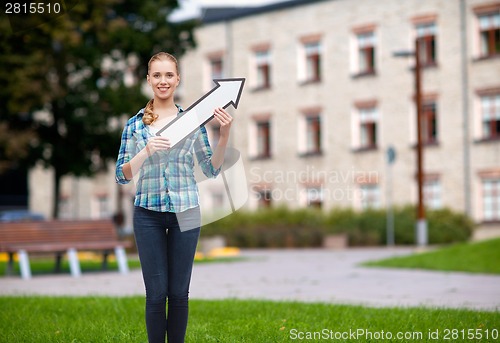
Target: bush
[
  {"x": 446, "y": 226},
  {"x": 285, "y": 228}
]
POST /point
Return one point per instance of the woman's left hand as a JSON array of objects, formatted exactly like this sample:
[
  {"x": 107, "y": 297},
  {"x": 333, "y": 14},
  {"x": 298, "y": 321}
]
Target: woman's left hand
[{"x": 225, "y": 120}]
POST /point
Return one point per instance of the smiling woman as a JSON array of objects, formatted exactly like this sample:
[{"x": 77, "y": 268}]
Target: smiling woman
[{"x": 167, "y": 212}]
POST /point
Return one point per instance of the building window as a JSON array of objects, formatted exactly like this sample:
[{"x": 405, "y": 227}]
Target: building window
[
  {"x": 264, "y": 199},
  {"x": 217, "y": 200},
  {"x": 368, "y": 127},
  {"x": 263, "y": 139},
  {"x": 310, "y": 59},
  {"x": 214, "y": 134},
  {"x": 432, "y": 193},
  {"x": 313, "y": 134},
  {"x": 216, "y": 68},
  {"x": 366, "y": 52},
  {"x": 490, "y": 116},
  {"x": 489, "y": 33},
  {"x": 429, "y": 123},
  {"x": 491, "y": 199},
  {"x": 314, "y": 197},
  {"x": 263, "y": 69},
  {"x": 370, "y": 196},
  {"x": 64, "y": 210},
  {"x": 426, "y": 35},
  {"x": 103, "y": 206},
  {"x": 313, "y": 61}
]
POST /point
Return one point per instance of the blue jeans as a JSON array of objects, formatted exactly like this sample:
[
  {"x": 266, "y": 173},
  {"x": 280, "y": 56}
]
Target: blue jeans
[{"x": 166, "y": 253}]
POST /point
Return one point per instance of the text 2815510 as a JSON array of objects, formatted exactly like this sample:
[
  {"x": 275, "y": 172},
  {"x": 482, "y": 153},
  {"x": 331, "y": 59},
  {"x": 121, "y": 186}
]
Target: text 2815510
[{"x": 32, "y": 8}]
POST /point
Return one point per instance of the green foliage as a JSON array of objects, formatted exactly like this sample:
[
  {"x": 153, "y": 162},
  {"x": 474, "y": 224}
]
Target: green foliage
[
  {"x": 112, "y": 319},
  {"x": 57, "y": 66},
  {"x": 446, "y": 226},
  {"x": 276, "y": 228},
  {"x": 282, "y": 227},
  {"x": 477, "y": 257},
  {"x": 369, "y": 227}
]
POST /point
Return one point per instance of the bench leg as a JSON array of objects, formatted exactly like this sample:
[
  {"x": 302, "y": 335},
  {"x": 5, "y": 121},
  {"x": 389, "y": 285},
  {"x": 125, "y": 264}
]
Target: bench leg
[
  {"x": 121, "y": 259},
  {"x": 105, "y": 256},
  {"x": 24, "y": 264},
  {"x": 57, "y": 268},
  {"x": 10, "y": 265},
  {"x": 74, "y": 264}
]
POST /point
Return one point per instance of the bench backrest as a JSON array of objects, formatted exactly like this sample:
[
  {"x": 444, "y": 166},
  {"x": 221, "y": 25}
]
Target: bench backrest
[{"x": 57, "y": 231}]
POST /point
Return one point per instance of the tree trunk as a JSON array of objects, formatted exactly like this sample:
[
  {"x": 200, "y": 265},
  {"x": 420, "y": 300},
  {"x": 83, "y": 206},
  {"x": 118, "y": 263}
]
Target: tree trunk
[{"x": 57, "y": 189}]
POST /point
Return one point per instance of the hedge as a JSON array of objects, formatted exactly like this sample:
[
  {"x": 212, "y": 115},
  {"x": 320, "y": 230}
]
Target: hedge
[{"x": 282, "y": 227}]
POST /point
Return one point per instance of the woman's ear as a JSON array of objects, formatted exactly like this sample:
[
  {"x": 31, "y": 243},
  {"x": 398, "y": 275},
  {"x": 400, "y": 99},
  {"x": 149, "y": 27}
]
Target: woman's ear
[{"x": 147, "y": 78}]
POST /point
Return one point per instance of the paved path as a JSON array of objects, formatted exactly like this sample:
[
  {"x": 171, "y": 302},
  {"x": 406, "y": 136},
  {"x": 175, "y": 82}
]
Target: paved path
[{"x": 302, "y": 275}]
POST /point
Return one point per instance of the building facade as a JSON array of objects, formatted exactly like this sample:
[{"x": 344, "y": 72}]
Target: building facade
[{"x": 325, "y": 98}]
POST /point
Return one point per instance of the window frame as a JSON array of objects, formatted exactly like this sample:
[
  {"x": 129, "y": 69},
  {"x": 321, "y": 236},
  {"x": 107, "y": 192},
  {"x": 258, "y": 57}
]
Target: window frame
[
  {"x": 263, "y": 132},
  {"x": 265, "y": 198},
  {"x": 310, "y": 59},
  {"x": 366, "y": 53},
  {"x": 262, "y": 66},
  {"x": 368, "y": 127},
  {"x": 495, "y": 203},
  {"x": 429, "y": 118},
  {"x": 373, "y": 191},
  {"x": 426, "y": 33},
  {"x": 312, "y": 56},
  {"x": 493, "y": 116},
  {"x": 432, "y": 189},
  {"x": 318, "y": 200},
  {"x": 491, "y": 47}
]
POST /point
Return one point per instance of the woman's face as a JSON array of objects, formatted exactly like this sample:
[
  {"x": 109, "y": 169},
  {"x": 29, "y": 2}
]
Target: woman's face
[{"x": 163, "y": 78}]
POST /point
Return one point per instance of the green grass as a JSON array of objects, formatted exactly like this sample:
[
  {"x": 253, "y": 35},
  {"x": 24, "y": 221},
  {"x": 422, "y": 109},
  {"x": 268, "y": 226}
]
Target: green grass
[
  {"x": 478, "y": 257},
  {"x": 40, "y": 266},
  {"x": 46, "y": 266},
  {"x": 108, "y": 319}
]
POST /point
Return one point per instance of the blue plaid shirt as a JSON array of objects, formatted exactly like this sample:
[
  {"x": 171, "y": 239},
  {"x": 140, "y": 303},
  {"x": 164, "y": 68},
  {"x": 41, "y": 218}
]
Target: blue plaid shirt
[{"x": 166, "y": 181}]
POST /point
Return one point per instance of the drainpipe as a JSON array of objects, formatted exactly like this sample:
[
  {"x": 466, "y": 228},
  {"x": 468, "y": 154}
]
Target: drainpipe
[
  {"x": 228, "y": 62},
  {"x": 465, "y": 108}
]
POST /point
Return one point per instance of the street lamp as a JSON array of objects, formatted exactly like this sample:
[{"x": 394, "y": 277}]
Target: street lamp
[{"x": 421, "y": 225}]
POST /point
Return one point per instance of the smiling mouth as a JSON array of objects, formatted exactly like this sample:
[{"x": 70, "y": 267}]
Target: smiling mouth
[{"x": 163, "y": 89}]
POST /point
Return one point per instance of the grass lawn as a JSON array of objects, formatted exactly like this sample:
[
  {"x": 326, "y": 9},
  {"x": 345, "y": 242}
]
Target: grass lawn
[
  {"x": 108, "y": 319},
  {"x": 92, "y": 263},
  {"x": 46, "y": 266},
  {"x": 477, "y": 257}
]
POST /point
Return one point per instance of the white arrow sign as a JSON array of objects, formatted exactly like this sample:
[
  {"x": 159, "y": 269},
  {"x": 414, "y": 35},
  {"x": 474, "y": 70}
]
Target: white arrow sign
[{"x": 226, "y": 92}]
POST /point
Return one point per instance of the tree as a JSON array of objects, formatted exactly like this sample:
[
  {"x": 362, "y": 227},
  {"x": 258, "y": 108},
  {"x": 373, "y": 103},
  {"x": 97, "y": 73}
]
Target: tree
[{"x": 69, "y": 76}]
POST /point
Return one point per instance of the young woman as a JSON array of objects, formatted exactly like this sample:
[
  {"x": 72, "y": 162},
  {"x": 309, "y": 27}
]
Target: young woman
[{"x": 166, "y": 212}]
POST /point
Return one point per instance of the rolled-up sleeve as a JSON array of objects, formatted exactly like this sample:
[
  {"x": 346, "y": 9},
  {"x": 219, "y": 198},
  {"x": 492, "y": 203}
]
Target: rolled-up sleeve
[
  {"x": 125, "y": 152},
  {"x": 204, "y": 155}
]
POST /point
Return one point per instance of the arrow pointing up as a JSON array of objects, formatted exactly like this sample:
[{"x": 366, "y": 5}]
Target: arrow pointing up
[{"x": 226, "y": 92}]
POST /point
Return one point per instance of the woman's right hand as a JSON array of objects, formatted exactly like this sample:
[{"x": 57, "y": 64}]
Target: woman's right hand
[{"x": 157, "y": 143}]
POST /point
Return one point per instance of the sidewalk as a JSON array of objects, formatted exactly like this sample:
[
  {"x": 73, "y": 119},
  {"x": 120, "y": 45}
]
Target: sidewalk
[{"x": 300, "y": 275}]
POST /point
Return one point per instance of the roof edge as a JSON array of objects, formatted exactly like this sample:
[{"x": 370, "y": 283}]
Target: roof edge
[{"x": 210, "y": 15}]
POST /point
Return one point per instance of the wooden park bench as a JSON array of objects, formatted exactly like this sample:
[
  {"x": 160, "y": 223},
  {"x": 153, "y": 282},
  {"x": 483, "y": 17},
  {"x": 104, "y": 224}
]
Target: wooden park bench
[{"x": 61, "y": 237}]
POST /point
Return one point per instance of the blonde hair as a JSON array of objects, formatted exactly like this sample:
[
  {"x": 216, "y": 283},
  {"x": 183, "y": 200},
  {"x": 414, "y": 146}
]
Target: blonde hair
[{"x": 149, "y": 116}]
